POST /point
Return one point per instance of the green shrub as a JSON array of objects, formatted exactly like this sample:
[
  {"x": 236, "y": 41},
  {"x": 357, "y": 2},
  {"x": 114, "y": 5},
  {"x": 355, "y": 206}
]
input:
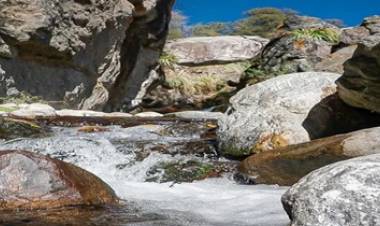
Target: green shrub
[
  {"x": 167, "y": 60},
  {"x": 325, "y": 34},
  {"x": 22, "y": 98}
]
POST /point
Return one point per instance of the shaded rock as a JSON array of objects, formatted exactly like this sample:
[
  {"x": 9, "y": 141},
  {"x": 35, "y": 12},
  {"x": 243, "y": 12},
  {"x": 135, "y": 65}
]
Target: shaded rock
[
  {"x": 289, "y": 54},
  {"x": 334, "y": 63},
  {"x": 285, "y": 166},
  {"x": 207, "y": 50},
  {"x": 344, "y": 193},
  {"x": 359, "y": 85},
  {"x": 30, "y": 181},
  {"x": 271, "y": 114},
  {"x": 85, "y": 53}
]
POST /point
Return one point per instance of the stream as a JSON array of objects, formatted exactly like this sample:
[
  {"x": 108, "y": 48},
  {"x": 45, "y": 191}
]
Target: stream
[{"x": 132, "y": 161}]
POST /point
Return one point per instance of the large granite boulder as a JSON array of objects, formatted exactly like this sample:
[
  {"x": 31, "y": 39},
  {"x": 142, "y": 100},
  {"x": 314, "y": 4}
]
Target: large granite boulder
[
  {"x": 30, "y": 181},
  {"x": 221, "y": 49},
  {"x": 271, "y": 114},
  {"x": 89, "y": 54},
  {"x": 359, "y": 85},
  {"x": 344, "y": 193},
  {"x": 285, "y": 166}
]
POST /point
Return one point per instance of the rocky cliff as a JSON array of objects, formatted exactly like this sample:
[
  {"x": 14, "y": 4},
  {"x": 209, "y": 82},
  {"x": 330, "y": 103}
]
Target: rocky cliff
[{"x": 88, "y": 54}]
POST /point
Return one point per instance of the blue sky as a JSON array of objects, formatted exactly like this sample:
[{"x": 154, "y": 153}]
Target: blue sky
[{"x": 350, "y": 11}]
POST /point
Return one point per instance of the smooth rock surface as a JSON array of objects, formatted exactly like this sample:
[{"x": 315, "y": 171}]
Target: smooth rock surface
[
  {"x": 30, "y": 181},
  {"x": 206, "y": 50},
  {"x": 285, "y": 166},
  {"x": 271, "y": 114},
  {"x": 344, "y": 193},
  {"x": 334, "y": 63}
]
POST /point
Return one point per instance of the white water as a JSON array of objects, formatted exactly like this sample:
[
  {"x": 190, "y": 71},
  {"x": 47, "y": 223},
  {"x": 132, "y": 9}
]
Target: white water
[{"x": 210, "y": 202}]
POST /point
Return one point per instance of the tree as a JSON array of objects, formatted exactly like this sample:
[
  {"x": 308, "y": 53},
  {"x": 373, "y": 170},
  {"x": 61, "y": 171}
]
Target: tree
[
  {"x": 211, "y": 29},
  {"x": 263, "y": 22},
  {"x": 177, "y": 25}
]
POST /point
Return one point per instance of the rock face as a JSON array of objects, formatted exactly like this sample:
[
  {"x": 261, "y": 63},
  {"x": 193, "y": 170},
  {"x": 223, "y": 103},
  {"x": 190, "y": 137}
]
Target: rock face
[
  {"x": 222, "y": 49},
  {"x": 345, "y": 193},
  {"x": 271, "y": 114},
  {"x": 90, "y": 54},
  {"x": 198, "y": 71},
  {"x": 30, "y": 181},
  {"x": 285, "y": 166},
  {"x": 359, "y": 85}
]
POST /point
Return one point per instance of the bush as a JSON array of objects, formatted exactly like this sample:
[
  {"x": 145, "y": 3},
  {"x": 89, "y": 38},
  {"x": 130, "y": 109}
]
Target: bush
[{"x": 318, "y": 34}]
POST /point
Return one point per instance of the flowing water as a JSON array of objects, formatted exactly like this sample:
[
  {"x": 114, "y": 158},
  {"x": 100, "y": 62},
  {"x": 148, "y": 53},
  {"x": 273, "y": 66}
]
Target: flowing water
[{"x": 124, "y": 158}]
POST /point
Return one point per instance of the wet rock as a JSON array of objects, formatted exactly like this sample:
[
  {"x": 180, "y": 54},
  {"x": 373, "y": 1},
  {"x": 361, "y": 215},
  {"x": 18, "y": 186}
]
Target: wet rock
[
  {"x": 285, "y": 166},
  {"x": 359, "y": 84},
  {"x": 270, "y": 114},
  {"x": 206, "y": 50},
  {"x": 14, "y": 128},
  {"x": 89, "y": 54},
  {"x": 344, "y": 193},
  {"x": 187, "y": 171},
  {"x": 30, "y": 181}
]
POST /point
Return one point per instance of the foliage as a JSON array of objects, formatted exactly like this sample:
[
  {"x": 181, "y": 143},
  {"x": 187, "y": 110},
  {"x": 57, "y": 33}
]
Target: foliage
[
  {"x": 263, "y": 22},
  {"x": 167, "y": 60},
  {"x": 319, "y": 34},
  {"x": 192, "y": 86},
  {"x": 22, "y": 98},
  {"x": 211, "y": 29},
  {"x": 7, "y": 109}
]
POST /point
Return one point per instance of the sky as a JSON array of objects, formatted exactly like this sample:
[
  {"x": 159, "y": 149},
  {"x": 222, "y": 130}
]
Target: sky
[{"x": 351, "y": 12}]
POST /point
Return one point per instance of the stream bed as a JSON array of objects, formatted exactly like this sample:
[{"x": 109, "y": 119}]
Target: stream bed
[{"x": 167, "y": 174}]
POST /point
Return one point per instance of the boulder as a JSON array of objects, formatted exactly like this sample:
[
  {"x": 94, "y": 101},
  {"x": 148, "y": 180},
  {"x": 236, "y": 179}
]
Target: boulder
[
  {"x": 271, "y": 114},
  {"x": 30, "y": 182},
  {"x": 344, "y": 193},
  {"x": 353, "y": 35},
  {"x": 334, "y": 62},
  {"x": 372, "y": 23},
  {"x": 221, "y": 49},
  {"x": 359, "y": 85},
  {"x": 289, "y": 54},
  {"x": 89, "y": 54},
  {"x": 285, "y": 166}
]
